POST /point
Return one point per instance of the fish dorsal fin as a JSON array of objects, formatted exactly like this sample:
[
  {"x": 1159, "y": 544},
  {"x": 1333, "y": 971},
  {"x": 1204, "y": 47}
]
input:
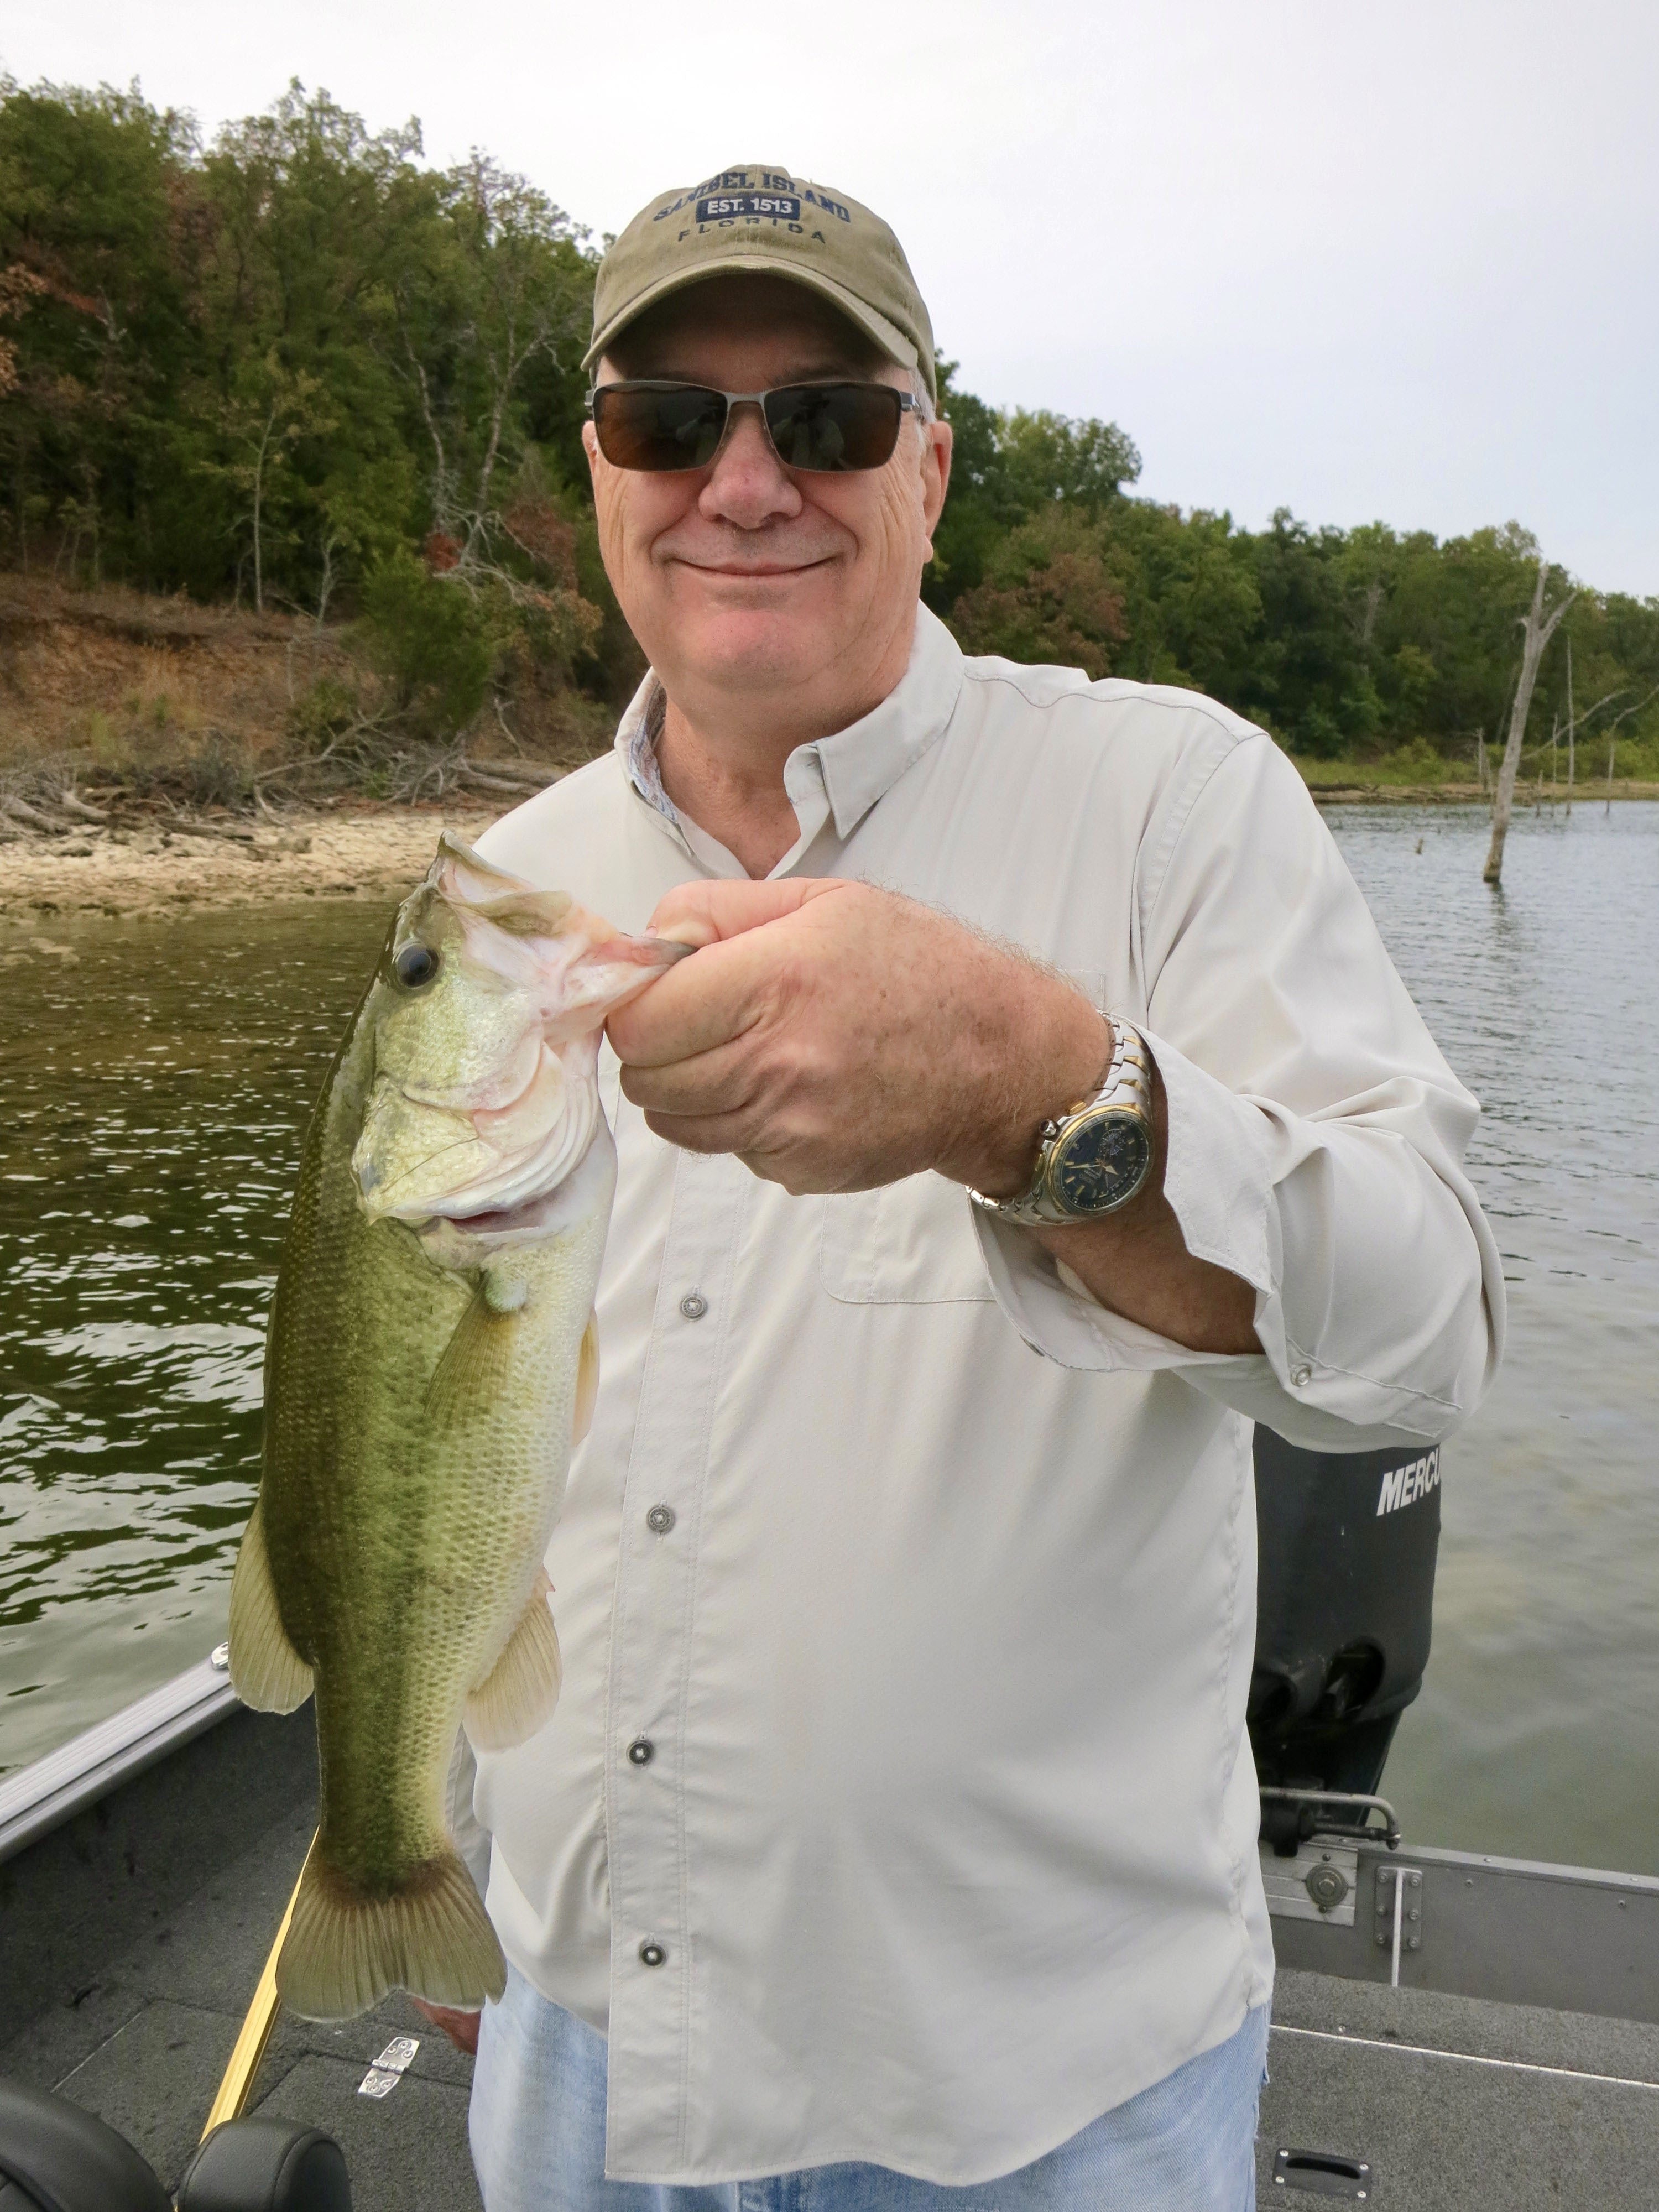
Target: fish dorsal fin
[
  {"x": 266, "y": 1672},
  {"x": 518, "y": 1695},
  {"x": 587, "y": 1381}
]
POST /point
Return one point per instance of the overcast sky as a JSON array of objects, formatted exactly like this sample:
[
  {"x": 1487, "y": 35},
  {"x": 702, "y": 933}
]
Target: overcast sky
[{"x": 1396, "y": 262}]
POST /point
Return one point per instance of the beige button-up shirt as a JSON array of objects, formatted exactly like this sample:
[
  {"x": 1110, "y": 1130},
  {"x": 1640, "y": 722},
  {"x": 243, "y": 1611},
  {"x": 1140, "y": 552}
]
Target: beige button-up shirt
[{"x": 899, "y": 1805}]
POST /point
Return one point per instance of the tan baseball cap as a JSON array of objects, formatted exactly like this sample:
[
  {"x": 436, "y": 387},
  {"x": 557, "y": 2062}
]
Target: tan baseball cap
[{"x": 759, "y": 218}]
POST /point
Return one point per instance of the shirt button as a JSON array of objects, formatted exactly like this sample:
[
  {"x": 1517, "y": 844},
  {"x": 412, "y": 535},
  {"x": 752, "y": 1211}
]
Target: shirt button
[
  {"x": 652, "y": 1954},
  {"x": 641, "y": 1751},
  {"x": 660, "y": 1520},
  {"x": 1301, "y": 1376},
  {"x": 694, "y": 1305}
]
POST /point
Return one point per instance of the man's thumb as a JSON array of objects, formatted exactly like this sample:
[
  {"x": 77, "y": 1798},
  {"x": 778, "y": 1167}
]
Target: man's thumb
[{"x": 705, "y": 913}]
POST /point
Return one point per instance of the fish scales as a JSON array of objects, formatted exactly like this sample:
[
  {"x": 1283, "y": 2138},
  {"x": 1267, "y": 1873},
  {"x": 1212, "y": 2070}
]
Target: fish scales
[{"x": 428, "y": 1361}]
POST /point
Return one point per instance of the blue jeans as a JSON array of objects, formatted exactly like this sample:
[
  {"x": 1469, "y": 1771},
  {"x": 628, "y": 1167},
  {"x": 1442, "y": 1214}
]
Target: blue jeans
[{"x": 1188, "y": 2144}]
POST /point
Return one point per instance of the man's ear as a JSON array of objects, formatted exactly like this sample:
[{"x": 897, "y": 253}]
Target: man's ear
[
  {"x": 935, "y": 472},
  {"x": 591, "y": 447}
]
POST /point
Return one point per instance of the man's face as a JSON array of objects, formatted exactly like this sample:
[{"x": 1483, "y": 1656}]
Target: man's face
[{"x": 746, "y": 577}]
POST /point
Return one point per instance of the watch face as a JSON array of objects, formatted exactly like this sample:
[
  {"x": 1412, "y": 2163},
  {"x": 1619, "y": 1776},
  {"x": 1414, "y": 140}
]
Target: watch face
[{"x": 1099, "y": 1162}]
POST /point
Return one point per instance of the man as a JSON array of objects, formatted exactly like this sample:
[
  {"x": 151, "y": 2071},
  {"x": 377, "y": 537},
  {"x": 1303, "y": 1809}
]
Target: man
[{"x": 1040, "y": 1109}]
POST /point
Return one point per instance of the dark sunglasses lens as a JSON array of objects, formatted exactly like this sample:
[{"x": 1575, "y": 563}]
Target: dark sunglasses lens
[
  {"x": 679, "y": 427},
  {"x": 834, "y": 426}
]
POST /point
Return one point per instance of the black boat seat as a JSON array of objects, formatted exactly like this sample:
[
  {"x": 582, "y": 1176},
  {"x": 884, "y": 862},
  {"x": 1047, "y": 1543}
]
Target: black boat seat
[
  {"x": 263, "y": 2163},
  {"x": 56, "y": 2158}
]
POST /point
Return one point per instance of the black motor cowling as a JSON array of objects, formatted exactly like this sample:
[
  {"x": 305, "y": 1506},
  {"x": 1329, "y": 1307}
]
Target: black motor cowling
[{"x": 1346, "y": 1544}]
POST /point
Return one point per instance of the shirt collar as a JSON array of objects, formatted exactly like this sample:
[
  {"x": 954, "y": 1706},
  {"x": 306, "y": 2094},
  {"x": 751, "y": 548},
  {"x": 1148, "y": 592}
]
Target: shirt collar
[{"x": 860, "y": 764}]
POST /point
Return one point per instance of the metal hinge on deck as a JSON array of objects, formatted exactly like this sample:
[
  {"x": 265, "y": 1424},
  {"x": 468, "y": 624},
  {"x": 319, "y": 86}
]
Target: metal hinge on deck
[{"x": 1399, "y": 1913}]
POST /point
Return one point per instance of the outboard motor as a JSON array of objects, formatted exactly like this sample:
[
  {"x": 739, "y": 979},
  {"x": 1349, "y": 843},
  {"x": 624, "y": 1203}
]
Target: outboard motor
[
  {"x": 1346, "y": 1543},
  {"x": 56, "y": 2158}
]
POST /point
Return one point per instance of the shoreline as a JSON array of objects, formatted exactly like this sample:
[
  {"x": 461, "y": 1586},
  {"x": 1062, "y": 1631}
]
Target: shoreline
[
  {"x": 372, "y": 853},
  {"x": 1343, "y": 792},
  {"x": 154, "y": 874}
]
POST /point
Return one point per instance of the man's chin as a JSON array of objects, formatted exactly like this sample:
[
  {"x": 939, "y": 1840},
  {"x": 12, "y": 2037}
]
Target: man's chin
[{"x": 757, "y": 645}]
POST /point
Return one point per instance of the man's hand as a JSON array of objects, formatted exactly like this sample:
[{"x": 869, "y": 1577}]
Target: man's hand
[
  {"x": 461, "y": 2027},
  {"x": 836, "y": 1037}
]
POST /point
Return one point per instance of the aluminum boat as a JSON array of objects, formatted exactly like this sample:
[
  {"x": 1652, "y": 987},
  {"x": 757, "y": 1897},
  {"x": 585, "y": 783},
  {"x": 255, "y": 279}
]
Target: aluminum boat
[{"x": 1452, "y": 2032}]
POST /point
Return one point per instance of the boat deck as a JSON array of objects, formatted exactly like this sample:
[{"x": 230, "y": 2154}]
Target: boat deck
[
  {"x": 133, "y": 1935},
  {"x": 133, "y": 1938}
]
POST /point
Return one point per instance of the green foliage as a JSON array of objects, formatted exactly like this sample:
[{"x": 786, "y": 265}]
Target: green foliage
[
  {"x": 256, "y": 369},
  {"x": 324, "y": 710},
  {"x": 1047, "y": 458},
  {"x": 298, "y": 368},
  {"x": 1420, "y": 760},
  {"x": 1005, "y": 470},
  {"x": 1047, "y": 596},
  {"x": 432, "y": 640}
]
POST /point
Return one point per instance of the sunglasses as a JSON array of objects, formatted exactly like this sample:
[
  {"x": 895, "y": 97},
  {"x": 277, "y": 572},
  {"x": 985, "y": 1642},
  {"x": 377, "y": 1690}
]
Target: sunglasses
[{"x": 660, "y": 427}]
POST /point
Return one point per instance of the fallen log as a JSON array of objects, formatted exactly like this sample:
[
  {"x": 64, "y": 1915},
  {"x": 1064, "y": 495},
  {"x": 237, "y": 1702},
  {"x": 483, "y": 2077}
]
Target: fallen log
[
  {"x": 21, "y": 810},
  {"x": 523, "y": 774},
  {"x": 205, "y": 830}
]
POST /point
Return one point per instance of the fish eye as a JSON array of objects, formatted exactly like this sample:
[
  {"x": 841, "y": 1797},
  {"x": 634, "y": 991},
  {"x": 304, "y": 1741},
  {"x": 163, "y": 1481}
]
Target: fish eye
[{"x": 415, "y": 966}]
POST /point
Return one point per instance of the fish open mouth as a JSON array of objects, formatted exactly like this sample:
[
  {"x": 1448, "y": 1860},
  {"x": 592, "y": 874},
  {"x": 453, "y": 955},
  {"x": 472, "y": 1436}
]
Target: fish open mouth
[{"x": 532, "y": 1213}]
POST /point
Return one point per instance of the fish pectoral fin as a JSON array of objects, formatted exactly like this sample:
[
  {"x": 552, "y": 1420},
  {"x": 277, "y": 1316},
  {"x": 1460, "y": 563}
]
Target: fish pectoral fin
[
  {"x": 518, "y": 1695},
  {"x": 472, "y": 1367},
  {"x": 266, "y": 1672},
  {"x": 587, "y": 1381}
]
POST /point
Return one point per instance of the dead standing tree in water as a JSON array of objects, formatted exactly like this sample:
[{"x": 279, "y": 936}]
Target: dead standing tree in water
[{"x": 1537, "y": 629}]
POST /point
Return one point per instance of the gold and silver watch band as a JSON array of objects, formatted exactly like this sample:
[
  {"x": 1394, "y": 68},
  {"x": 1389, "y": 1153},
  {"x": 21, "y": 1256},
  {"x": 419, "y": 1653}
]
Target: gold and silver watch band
[{"x": 1125, "y": 1095}]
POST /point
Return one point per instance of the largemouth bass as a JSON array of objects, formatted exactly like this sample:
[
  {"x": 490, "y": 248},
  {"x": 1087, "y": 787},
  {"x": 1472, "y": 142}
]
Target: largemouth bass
[{"x": 431, "y": 1361}]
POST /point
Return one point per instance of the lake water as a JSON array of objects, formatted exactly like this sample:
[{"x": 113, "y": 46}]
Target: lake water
[{"x": 155, "y": 1086}]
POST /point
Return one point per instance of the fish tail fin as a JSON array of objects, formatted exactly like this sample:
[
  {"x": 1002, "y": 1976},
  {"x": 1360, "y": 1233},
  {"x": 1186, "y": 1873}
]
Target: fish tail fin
[
  {"x": 344, "y": 1950},
  {"x": 266, "y": 1672}
]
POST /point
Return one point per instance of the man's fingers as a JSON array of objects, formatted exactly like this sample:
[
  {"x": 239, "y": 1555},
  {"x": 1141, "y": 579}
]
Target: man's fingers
[
  {"x": 704, "y": 912},
  {"x": 719, "y": 1081},
  {"x": 461, "y": 2027},
  {"x": 704, "y": 1133},
  {"x": 702, "y": 1003}
]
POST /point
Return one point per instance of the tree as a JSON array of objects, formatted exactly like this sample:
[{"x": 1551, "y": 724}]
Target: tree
[
  {"x": 294, "y": 357},
  {"x": 1048, "y": 598},
  {"x": 1047, "y": 457},
  {"x": 272, "y": 410},
  {"x": 498, "y": 282},
  {"x": 1537, "y": 628}
]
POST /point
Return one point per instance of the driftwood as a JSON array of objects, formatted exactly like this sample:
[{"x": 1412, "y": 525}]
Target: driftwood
[
  {"x": 21, "y": 810},
  {"x": 72, "y": 804},
  {"x": 1537, "y": 629},
  {"x": 175, "y": 828},
  {"x": 496, "y": 775}
]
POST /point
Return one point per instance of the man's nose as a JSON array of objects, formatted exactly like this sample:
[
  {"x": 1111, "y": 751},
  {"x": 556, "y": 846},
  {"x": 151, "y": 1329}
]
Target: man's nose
[{"x": 748, "y": 484}]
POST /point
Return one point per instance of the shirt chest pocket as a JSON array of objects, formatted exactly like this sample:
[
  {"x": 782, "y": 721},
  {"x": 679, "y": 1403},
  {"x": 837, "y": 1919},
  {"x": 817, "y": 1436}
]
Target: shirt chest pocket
[{"x": 911, "y": 1243}]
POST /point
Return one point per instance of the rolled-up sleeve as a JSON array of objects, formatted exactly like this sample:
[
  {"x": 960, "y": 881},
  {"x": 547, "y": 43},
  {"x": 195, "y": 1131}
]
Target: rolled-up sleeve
[{"x": 1316, "y": 1136}]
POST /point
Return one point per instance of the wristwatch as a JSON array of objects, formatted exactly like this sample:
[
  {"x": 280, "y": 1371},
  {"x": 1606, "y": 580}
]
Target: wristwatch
[{"x": 1092, "y": 1158}]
